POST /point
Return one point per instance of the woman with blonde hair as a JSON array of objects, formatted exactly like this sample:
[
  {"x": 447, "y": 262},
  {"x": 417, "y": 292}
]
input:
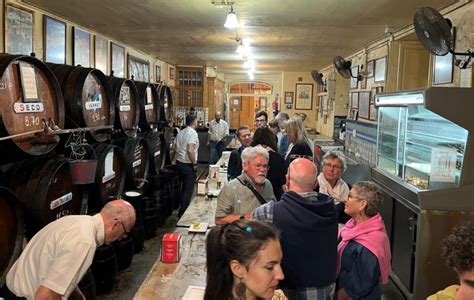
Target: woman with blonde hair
[{"x": 301, "y": 145}]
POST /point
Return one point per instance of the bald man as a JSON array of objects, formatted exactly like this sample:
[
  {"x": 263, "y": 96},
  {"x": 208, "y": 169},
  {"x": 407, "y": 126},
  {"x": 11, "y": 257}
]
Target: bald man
[
  {"x": 307, "y": 221},
  {"x": 218, "y": 131},
  {"x": 57, "y": 257}
]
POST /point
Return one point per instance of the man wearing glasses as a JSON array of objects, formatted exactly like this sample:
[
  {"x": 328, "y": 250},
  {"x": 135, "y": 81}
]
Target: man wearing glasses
[
  {"x": 261, "y": 119},
  {"x": 58, "y": 256},
  {"x": 248, "y": 191}
]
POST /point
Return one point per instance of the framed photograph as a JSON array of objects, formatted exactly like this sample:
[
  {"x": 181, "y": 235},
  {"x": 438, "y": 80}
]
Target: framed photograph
[
  {"x": 289, "y": 97},
  {"x": 82, "y": 47},
  {"x": 117, "y": 57},
  {"x": 380, "y": 69},
  {"x": 100, "y": 53},
  {"x": 370, "y": 69},
  {"x": 138, "y": 69},
  {"x": 363, "y": 83},
  {"x": 304, "y": 96},
  {"x": 18, "y": 30},
  {"x": 443, "y": 69},
  {"x": 354, "y": 82},
  {"x": 364, "y": 103},
  {"x": 171, "y": 73},
  {"x": 54, "y": 40},
  {"x": 157, "y": 73},
  {"x": 355, "y": 100}
]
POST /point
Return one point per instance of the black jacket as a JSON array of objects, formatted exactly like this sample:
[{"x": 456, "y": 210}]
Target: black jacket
[{"x": 234, "y": 168}]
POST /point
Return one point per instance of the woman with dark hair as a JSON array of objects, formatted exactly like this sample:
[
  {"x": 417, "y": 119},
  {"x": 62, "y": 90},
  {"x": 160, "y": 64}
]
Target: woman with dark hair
[
  {"x": 277, "y": 167},
  {"x": 363, "y": 253},
  {"x": 243, "y": 261}
]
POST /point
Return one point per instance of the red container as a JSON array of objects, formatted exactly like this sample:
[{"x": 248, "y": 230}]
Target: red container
[
  {"x": 83, "y": 171},
  {"x": 170, "y": 247}
]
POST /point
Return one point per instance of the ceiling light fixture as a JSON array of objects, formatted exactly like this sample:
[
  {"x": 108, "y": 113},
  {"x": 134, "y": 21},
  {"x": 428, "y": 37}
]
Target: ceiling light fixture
[{"x": 231, "y": 22}]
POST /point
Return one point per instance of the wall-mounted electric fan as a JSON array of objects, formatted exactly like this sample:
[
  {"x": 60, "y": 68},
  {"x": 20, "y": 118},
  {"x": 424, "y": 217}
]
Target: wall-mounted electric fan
[
  {"x": 343, "y": 67},
  {"x": 434, "y": 33}
]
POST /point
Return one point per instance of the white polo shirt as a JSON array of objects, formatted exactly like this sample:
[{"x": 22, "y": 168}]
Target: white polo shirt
[
  {"x": 217, "y": 131},
  {"x": 57, "y": 257},
  {"x": 186, "y": 136}
]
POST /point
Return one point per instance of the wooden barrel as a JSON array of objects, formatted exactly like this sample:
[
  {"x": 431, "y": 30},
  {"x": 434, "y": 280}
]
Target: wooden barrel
[
  {"x": 127, "y": 112},
  {"x": 150, "y": 217},
  {"x": 87, "y": 99},
  {"x": 154, "y": 189},
  {"x": 166, "y": 105},
  {"x": 31, "y": 97},
  {"x": 109, "y": 177},
  {"x": 149, "y": 105},
  {"x": 104, "y": 268},
  {"x": 169, "y": 135},
  {"x": 138, "y": 231},
  {"x": 155, "y": 141},
  {"x": 124, "y": 252},
  {"x": 45, "y": 188},
  {"x": 137, "y": 161},
  {"x": 11, "y": 232}
]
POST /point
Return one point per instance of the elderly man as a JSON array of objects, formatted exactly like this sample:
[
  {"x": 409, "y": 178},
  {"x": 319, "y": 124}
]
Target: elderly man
[
  {"x": 218, "y": 131},
  {"x": 186, "y": 146},
  {"x": 57, "y": 257},
  {"x": 308, "y": 225},
  {"x": 234, "y": 169},
  {"x": 248, "y": 191},
  {"x": 261, "y": 119},
  {"x": 282, "y": 136}
]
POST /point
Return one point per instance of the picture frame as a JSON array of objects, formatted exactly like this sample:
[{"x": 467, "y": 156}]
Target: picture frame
[
  {"x": 263, "y": 103},
  {"x": 289, "y": 97},
  {"x": 117, "y": 60},
  {"x": 354, "y": 81},
  {"x": 355, "y": 100},
  {"x": 81, "y": 47},
  {"x": 18, "y": 30},
  {"x": 54, "y": 40},
  {"x": 443, "y": 68},
  {"x": 171, "y": 75},
  {"x": 364, "y": 105},
  {"x": 370, "y": 68},
  {"x": 101, "y": 53},
  {"x": 138, "y": 69},
  {"x": 157, "y": 73},
  {"x": 380, "y": 69},
  {"x": 363, "y": 83},
  {"x": 304, "y": 96}
]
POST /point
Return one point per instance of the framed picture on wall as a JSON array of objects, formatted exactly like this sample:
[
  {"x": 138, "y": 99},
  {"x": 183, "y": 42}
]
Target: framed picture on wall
[
  {"x": 171, "y": 73},
  {"x": 100, "y": 53},
  {"x": 82, "y": 47},
  {"x": 54, "y": 40},
  {"x": 138, "y": 69},
  {"x": 380, "y": 69},
  {"x": 354, "y": 82},
  {"x": 18, "y": 30},
  {"x": 304, "y": 96},
  {"x": 355, "y": 100},
  {"x": 370, "y": 69},
  {"x": 443, "y": 69},
  {"x": 364, "y": 103},
  {"x": 157, "y": 73},
  {"x": 117, "y": 58},
  {"x": 289, "y": 97}
]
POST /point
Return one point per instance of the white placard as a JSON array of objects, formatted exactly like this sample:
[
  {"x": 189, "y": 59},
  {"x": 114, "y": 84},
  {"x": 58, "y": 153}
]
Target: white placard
[
  {"x": 60, "y": 201},
  {"x": 136, "y": 163},
  {"x": 23, "y": 108},
  {"x": 157, "y": 153},
  {"x": 93, "y": 105},
  {"x": 443, "y": 164},
  {"x": 124, "y": 107},
  {"x": 109, "y": 166},
  {"x": 149, "y": 96},
  {"x": 149, "y": 107}
]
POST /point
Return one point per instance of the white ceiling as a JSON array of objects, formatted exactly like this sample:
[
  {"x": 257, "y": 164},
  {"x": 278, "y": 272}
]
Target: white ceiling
[{"x": 286, "y": 35}]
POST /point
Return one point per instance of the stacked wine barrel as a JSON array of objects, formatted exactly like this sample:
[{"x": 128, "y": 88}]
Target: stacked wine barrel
[{"x": 43, "y": 108}]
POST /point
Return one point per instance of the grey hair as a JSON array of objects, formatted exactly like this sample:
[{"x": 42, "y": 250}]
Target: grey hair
[
  {"x": 338, "y": 155},
  {"x": 282, "y": 115},
  {"x": 371, "y": 192},
  {"x": 250, "y": 153},
  {"x": 119, "y": 209}
]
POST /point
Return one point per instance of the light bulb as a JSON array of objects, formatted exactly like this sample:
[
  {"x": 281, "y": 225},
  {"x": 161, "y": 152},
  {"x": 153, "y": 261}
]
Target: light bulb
[{"x": 231, "y": 21}]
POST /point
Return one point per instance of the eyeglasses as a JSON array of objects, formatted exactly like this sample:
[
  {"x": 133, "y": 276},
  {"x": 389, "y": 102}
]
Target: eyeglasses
[
  {"x": 260, "y": 120},
  {"x": 355, "y": 197},
  {"x": 329, "y": 166},
  {"x": 295, "y": 156},
  {"x": 261, "y": 167},
  {"x": 124, "y": 230}
]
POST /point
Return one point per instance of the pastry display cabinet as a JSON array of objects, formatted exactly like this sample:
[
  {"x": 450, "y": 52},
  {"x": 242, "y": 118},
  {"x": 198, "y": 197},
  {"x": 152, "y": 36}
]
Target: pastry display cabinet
[{"x": 425, "y": 166}]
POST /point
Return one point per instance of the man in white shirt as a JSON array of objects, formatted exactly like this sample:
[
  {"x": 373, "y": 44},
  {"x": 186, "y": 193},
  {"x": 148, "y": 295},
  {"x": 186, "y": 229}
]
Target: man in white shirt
[
  {"x": 218, "y": 131},
  {"x": 186, "y": 146},
  {"x": 58, "y": 256},
  {"x": 283, "y": 142}
]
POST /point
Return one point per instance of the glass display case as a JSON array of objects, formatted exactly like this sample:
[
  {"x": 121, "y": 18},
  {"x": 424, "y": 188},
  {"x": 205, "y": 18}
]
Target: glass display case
[{"x": 417, "y": 144}]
